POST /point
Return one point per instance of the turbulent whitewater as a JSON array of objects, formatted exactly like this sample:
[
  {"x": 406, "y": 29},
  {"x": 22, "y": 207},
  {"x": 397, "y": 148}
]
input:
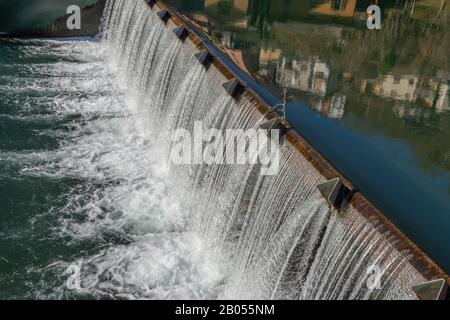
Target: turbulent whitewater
[{"x": 143, "y": 228}]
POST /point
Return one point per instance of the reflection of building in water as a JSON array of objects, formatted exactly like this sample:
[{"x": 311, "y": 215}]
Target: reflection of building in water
[
  {"x": 341, "y": 8},
  {"x": 268, "y": 58},
  {"x": 241, "y": 5},
  {"x": 412, "y": 113},
  {"x": 294, "y": 9},
  {"x": 431, "y": 92},
  {"x": 333, "y": 107},
  {"x": 337, "y": 107},
  {"x": 312, "y": 76},
  {"x": 442, "y": 102},
  {"x": 426, "y": 92},
  {"x": 263, "y": 12},
  {"x": 302, "y": 74},
  {"x": 396, "y": 87},
  {"x": 319, "y": 78},
  {"x": 306, "y": 75}
]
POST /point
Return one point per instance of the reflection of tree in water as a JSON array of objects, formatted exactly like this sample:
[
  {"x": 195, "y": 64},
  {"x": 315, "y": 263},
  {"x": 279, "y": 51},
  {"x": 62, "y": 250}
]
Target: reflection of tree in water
[
  {"x": 403, "y": 47},
  {"x": 259, "y": 14},
  {"x": 424, "y": 130}
]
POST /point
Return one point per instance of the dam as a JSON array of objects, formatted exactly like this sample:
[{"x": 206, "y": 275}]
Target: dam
[{"x": 149, "y": 229}]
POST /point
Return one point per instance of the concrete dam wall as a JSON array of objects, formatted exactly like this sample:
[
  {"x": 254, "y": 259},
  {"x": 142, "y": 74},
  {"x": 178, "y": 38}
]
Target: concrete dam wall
[{"x": 277, "y": 236}]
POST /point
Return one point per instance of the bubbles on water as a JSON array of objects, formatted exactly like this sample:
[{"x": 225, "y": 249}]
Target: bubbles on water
[
  {"x": 154, "y": 266},
  {"x": 124, "y": 208},
  {"x": 130, "y": 226}
]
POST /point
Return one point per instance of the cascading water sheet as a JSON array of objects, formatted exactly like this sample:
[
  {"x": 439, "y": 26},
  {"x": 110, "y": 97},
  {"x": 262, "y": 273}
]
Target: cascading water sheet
[{"x": 141, "y": 227}]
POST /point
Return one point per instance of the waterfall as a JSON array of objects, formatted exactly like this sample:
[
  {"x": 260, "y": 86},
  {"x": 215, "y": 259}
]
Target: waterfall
[{"x": 256, "y": 236}]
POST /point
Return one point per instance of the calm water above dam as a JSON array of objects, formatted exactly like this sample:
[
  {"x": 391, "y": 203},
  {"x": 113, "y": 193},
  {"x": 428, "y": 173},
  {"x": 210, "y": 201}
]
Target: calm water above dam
[{"x": 375, "y": 103}]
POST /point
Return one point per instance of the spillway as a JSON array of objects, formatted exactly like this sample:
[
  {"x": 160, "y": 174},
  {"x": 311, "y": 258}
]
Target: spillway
[
  {"x": 139, "y": 226},
  {"x": 277, "y": 235}
]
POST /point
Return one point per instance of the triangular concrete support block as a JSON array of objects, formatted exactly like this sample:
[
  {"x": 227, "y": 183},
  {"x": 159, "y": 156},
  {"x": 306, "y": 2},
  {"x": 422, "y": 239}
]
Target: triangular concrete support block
[
  {"x": 205, "y": 58},
  {"x": 271, "y": 124},
  {"x": 151, "y": 3},
  {"x": 431, "y": 290},
  {"x": 234, "y": 88},
  {"x": 164, "y": 15},
  {"x": 181, "y": 32},
  {"x": 275, "y": 124}
]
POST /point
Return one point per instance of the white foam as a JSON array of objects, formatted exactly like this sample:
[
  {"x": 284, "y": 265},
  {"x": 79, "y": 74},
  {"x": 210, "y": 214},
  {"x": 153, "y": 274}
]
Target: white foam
[{"x": 218, "y": 231}]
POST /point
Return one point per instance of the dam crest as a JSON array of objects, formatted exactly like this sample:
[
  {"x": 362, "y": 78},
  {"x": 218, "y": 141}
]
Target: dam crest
[{"x": 277, "y": 237}]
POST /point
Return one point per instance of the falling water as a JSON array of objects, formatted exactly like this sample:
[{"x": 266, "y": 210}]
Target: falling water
[{"x": 194, "y": 231}]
